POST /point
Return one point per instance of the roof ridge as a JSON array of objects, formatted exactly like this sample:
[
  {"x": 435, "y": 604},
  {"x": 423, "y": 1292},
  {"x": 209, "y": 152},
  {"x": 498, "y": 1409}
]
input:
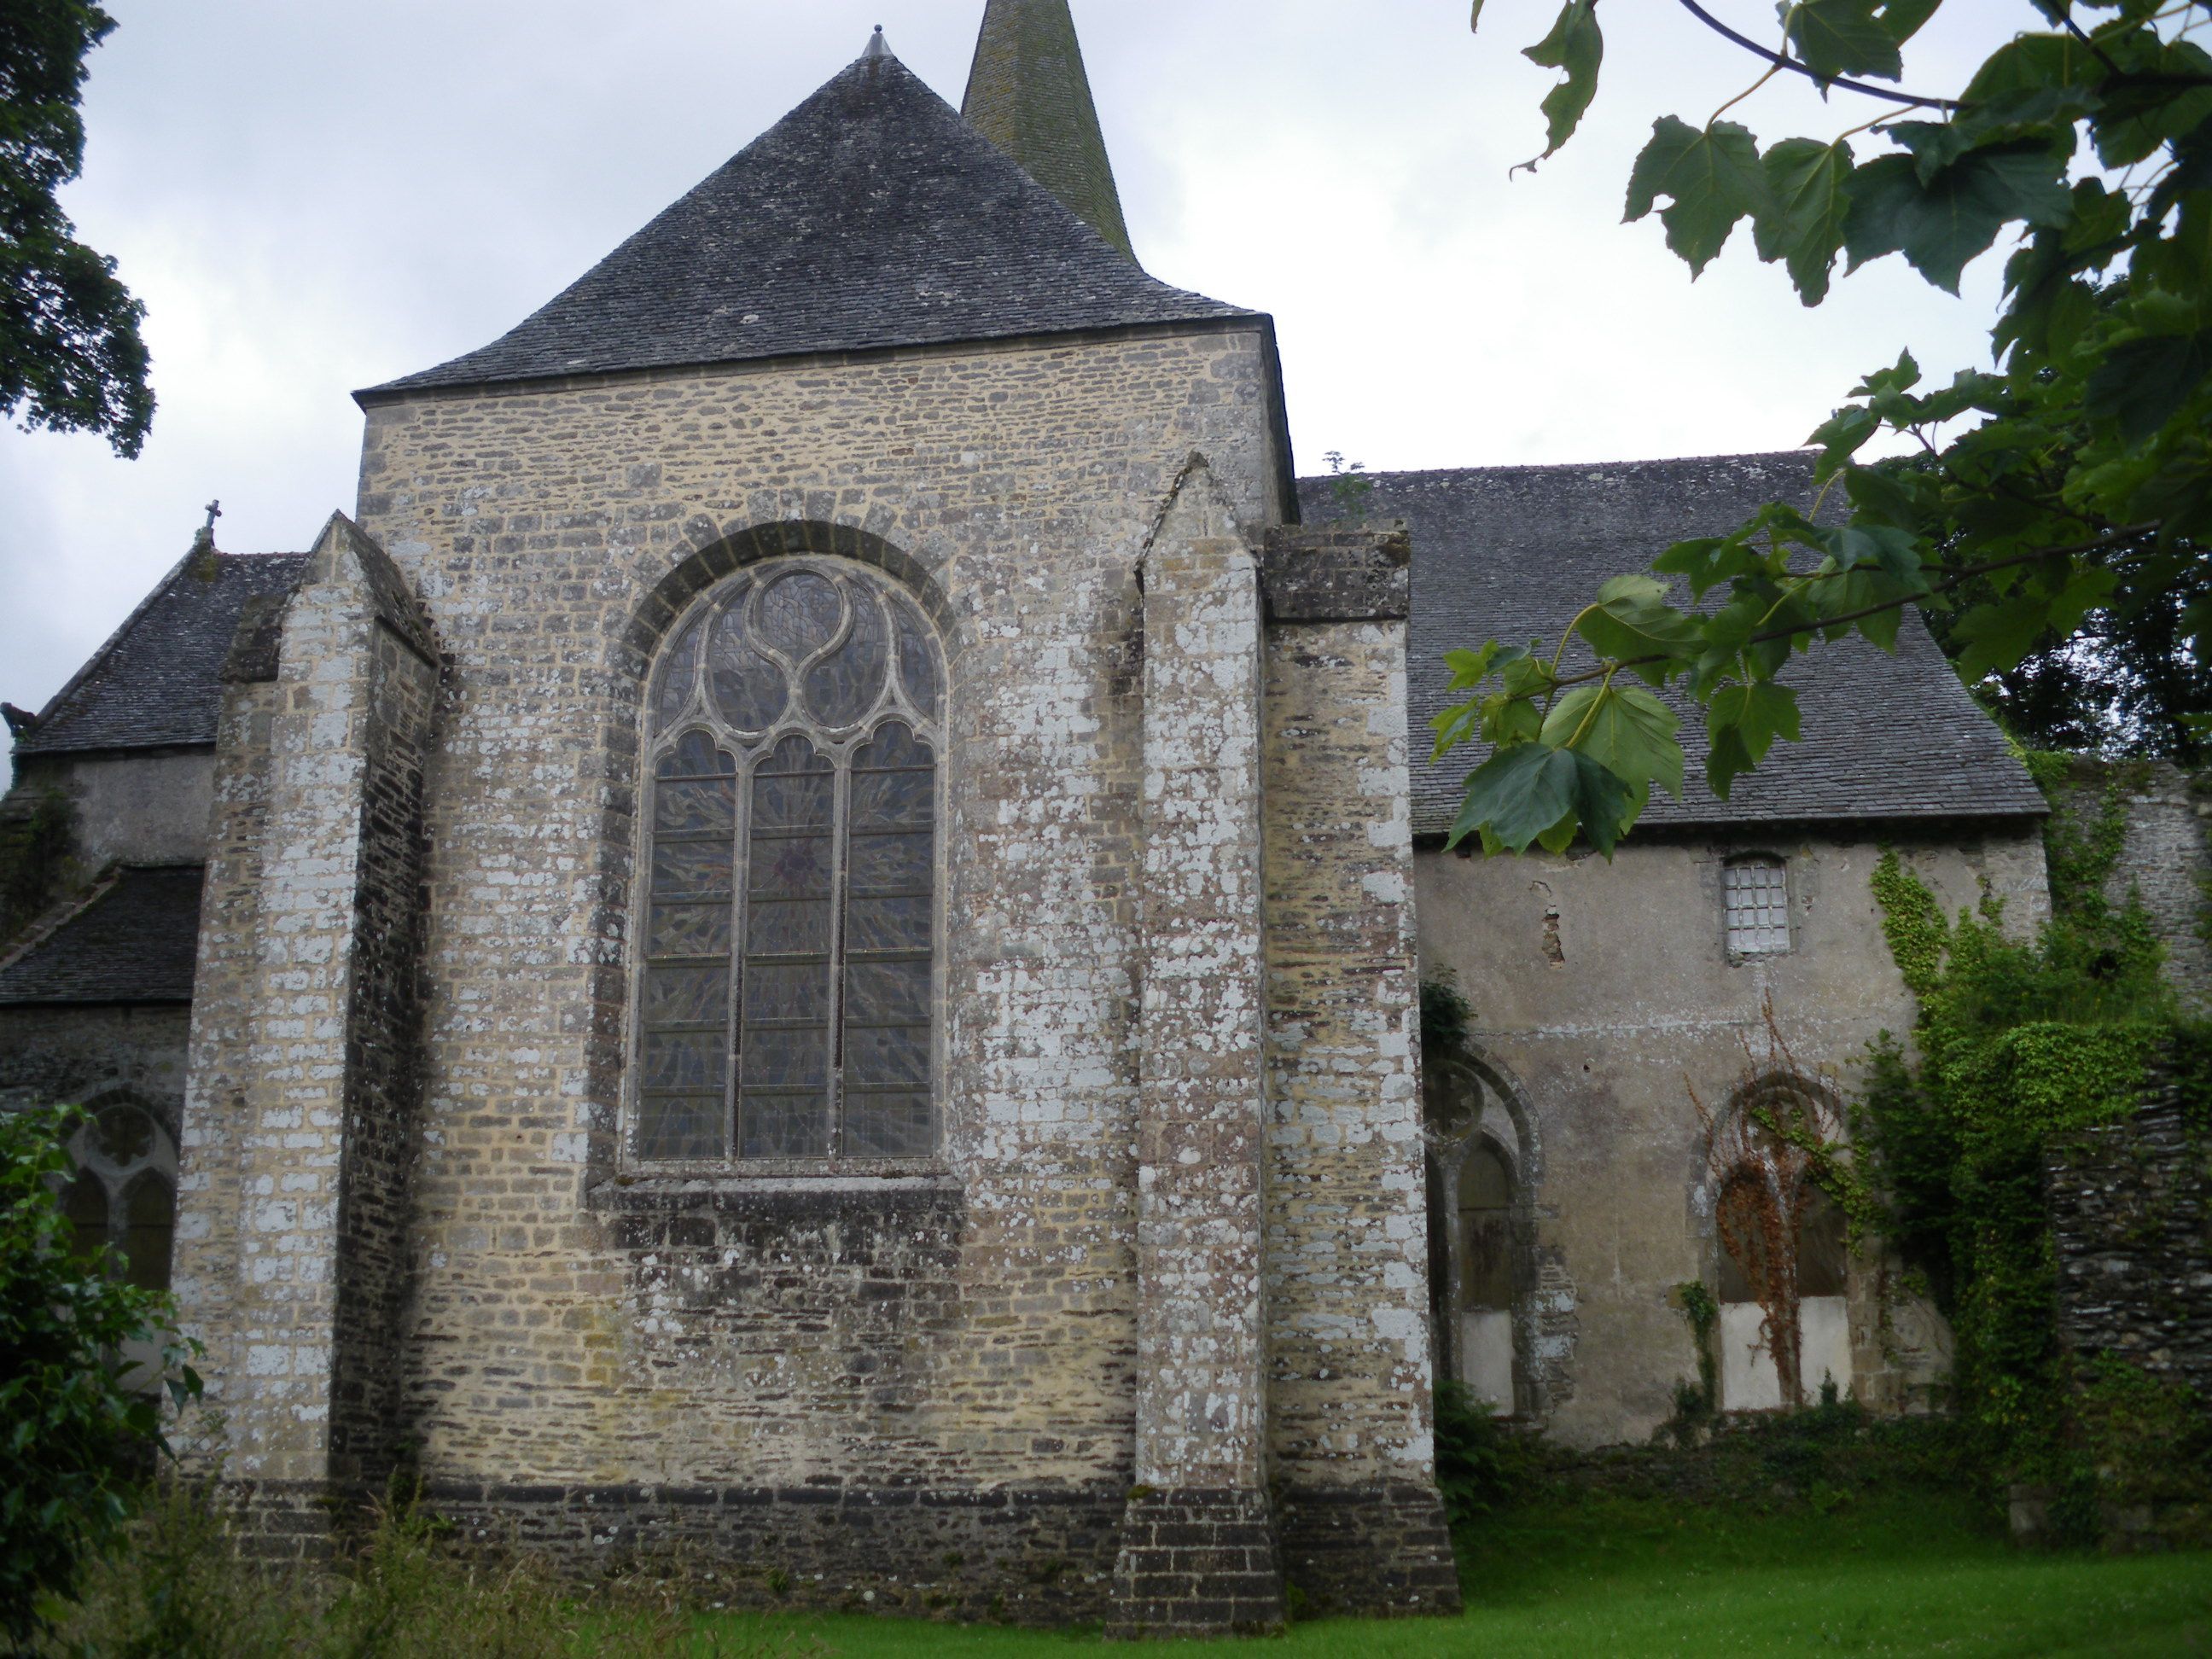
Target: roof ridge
[{"x": 1573, "y": 466}]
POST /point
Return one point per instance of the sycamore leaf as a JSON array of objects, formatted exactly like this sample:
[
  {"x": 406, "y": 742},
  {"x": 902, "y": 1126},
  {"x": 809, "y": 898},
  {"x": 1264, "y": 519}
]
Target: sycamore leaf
[
  {"x": 2143, "y": 385},
  {"x": 1905, "y": 18},
  {"x": 1843, "y": 37},
  {"x": 1576, "y": 46},
  {"x": 1808, "y": 200},
  {"x": 1534, "y": 791},
  {"x": 1625, "y": 730},
  {"x": 1743, "y": 720},
  {"x": 1895, "y": 553},
  {"x": 1943, "y": 225},
  {"x": 1841, "y": 436},
  {"x": 1997, "y": 636},
  {"x": 1708, "y": 561},
  {"x": 1632, "y": 619},
  {"x": 1474, "y": 22},
  {"x": 1713, "y": 179}
]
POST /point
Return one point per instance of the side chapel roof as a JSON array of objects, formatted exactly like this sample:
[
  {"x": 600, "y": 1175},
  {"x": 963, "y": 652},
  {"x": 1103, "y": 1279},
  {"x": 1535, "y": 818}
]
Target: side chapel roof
[
  {"x": 134, "y": 941},
  {"x": 154, "y": 683},
  {"x": 1513, "y": 552},
  {"x": 871, "y": 215}
]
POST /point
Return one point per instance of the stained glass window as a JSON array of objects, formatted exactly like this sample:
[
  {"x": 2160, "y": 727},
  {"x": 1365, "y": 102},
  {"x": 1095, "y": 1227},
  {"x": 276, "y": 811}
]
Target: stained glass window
[
  {"x": 787, "y": 981},
  {"x": 1757, "y": 896}
]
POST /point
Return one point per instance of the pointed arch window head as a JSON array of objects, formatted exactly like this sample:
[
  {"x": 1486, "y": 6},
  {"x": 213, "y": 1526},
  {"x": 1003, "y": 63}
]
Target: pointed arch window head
[
  {"x": 125, "y": 1194},
  {"x": 787, "y": 996}
]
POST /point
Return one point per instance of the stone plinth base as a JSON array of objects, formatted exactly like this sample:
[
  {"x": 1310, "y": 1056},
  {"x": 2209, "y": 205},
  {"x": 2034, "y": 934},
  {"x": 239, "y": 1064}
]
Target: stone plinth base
[
  {"x": 1373, "y": 1551},
  {"x": 1196, "y": 1562}
]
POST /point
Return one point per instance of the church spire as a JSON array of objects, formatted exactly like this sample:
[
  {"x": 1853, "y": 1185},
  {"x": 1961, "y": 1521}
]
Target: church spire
[{"x": 1029, "y": 95}]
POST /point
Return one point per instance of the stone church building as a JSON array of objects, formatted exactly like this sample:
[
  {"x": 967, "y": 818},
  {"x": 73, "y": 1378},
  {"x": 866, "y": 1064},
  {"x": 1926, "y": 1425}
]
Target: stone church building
[{"x": 804, "y": 937}]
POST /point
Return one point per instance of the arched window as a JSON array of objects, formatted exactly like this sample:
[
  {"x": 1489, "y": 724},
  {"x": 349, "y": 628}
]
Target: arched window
[
  {"x": 787, "y": 973},
  {"x": 124, "y": 1194}
]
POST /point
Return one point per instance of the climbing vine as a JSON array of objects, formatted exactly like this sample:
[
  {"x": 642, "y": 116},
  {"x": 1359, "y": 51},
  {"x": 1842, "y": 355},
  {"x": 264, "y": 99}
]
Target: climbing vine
[
  {"x": 2016, "y": 1041},
  {"x": 33, "y": 860}
]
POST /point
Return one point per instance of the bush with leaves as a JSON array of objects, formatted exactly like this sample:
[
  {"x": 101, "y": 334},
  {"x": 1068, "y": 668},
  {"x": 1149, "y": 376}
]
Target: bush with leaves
[
  {"x": 2075, "y": 477},
  {"x": 77, "y": 1428},
  {"x": 2019, "y": 1041}
]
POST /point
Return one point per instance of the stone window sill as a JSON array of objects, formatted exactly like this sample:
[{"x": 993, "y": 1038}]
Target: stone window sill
[{"x": 654, "y": 1189}]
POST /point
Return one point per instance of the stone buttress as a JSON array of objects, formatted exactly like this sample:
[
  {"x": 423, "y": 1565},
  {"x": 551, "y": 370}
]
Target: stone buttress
[
  {"x": 299, "y": 1117},
  {"x": 1198, "y": 1549}
]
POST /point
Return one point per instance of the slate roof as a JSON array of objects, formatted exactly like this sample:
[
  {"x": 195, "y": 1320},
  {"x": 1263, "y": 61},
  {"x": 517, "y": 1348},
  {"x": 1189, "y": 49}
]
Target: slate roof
[
  {"x": 1513, "y": 553},
  {"x": 135, "y": 942},
  {"x": 871, "y": 215},
  {"x": 154, "y": 684},
  {"x": 1029, "y": 95}
]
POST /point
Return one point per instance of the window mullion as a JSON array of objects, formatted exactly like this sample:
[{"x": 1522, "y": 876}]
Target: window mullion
[
  {"x": 741, "y": 918},
  {"x": 840, "y": 864}
]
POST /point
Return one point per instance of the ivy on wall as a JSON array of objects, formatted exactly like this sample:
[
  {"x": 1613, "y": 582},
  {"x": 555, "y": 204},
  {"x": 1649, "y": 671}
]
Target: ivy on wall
[
  {"x": 34, "y": 858},
  {"x": 2017, "y": 1041}
]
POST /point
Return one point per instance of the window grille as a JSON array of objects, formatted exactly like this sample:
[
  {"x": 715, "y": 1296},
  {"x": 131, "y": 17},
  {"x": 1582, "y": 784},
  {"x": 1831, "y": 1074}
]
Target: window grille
[
  {"x": 787, "y": 993},
  {"x": 1757, "y": 895}
]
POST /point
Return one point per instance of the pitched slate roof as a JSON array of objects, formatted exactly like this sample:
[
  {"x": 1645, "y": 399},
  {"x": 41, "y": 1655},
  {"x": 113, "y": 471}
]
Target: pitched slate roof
[
  {"x": 1513, "y": 553},
  {"x": 135, "y": 941},
  {"x": 1028, "y": 94},
  {"x": 871, "y": 215},
  {"x": 153, "y": 684}
]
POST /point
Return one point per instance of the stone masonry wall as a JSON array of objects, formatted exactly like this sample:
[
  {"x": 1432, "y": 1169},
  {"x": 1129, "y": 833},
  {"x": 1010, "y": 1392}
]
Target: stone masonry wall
[
  {"x": 63, "y": 1056},
  {"x": 2131, "y": 1222},
  {"x": 293, "y": 1237},
  {"x": 1014, "y": 488},
  {"x": 2165, "y": 856},
  {"x": 1199, "y": 1551},
  {"x": 1349, "y": 1430}
]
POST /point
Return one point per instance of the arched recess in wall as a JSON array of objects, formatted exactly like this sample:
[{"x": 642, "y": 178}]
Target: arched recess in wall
[
  {"x": 1782, "y": 1244},
  {"x": 124, "y": 1194},
  {"x": 1488, "y": 1294},
  {"x": 798, "y": 672}
]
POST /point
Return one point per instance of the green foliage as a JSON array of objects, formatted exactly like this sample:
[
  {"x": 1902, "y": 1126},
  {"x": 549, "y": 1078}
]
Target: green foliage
[
  {"x": 35, "y": 850},
  {"x": 1482, "y": 1465},
  {"x": 1696, "y": 1404},
  {"x": 2018, "y": 1041},
  {"x": 1445, "y": 1016},
  {"x": 74, "y": 1430},
  {"x": 71, "y": 358},
  {"x": 2074, "y": 483}
]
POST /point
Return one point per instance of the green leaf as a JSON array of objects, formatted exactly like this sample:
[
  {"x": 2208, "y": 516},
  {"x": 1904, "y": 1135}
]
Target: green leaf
[
  {"x": 1712, "y": 178},
  {"x": 1841, "y": 436},
  {"x": 1905, "y": 18},
  {"x": 1576, "y": 45},
  {"x": 1709, "y": 561},
  {"x": 1632, "y": 620},
  {"x": 1808, "y": 187},
  {"x": 1895, "y": 553},
  {"x": 1843, "y": 37},
  {"x": 1943, "y": 225},
  {"x": 1625, "y": 730},
  {"x": 2144, "y": 384},
  {"x": 1533, "y": 790},
  {"x": 1743, "y": 721}
]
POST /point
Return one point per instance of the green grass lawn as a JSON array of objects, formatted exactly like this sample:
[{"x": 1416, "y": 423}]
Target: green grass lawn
[{"x": 1624, "y": 1576}]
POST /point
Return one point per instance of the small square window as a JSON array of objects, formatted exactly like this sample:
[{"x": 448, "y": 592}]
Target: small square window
[{"x": 1757, "y": 894}]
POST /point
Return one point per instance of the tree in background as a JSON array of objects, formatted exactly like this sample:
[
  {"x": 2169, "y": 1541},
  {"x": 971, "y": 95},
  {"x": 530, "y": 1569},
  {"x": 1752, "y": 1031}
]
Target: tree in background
[
  {"x": 2072, "y": 482},
  {"x": 71, "y": 359}
]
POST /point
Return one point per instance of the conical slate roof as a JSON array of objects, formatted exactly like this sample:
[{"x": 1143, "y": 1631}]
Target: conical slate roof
[
  {"x": 871, "y": 215},
  {"x": 1028, "y": 94}
]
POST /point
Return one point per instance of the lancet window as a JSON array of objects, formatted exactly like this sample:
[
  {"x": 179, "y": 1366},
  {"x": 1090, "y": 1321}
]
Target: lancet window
[{"x": 787, "y": 995}]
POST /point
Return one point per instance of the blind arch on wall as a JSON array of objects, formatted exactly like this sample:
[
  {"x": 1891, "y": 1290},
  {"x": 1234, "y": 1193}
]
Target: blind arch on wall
[{"x": 788, "y": 926}]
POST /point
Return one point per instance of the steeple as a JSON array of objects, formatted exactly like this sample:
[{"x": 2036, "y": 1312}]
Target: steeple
[{"x": 1029, "y": 95}]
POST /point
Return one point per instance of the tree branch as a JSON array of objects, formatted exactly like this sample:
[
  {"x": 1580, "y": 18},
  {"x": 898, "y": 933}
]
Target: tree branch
[{"x": 1780, "y": 61}]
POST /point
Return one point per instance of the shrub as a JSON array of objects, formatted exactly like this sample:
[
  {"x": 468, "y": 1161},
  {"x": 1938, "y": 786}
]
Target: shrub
[{"x": 79, "y": 1433}]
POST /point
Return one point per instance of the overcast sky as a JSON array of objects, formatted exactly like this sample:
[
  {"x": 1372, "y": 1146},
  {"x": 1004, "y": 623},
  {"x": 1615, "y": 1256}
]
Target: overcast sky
[{"x": 310, "y": 198}]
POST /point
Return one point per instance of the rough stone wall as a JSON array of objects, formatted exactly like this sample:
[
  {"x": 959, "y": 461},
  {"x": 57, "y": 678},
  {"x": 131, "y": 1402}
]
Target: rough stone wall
[
  {"x": 291, "y": 1246},
  {"x": 2165, "y": 859},
  {"x": 1017, "y": 485},
  {"x": 2131, "y": 1223},
  {"x": 1605, "y": 992},
  {"x": 148, "y": 808},
  {"x": 1349, "y": 1376},
  {"x": 52, "y": 1056}
]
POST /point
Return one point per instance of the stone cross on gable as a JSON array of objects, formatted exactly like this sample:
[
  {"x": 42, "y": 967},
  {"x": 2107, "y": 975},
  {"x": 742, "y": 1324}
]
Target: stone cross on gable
[{"x": 214, "y": 511}]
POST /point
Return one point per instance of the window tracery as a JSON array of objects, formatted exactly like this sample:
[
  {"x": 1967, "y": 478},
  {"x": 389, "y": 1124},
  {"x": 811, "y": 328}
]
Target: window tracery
[
  {"x": 787, "y": 981},
  {"x": 125, "y": 1194}
]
